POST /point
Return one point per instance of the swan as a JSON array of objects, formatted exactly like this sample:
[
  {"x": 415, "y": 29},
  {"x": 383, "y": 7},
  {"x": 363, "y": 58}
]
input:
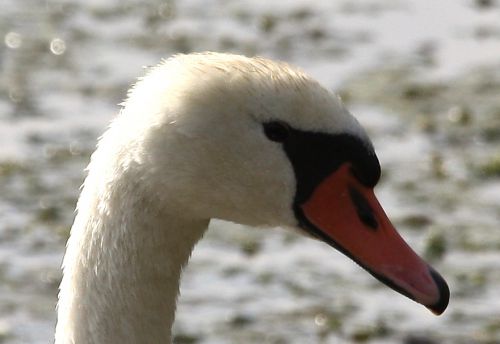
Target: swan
[{"x": 213, "y": 135}]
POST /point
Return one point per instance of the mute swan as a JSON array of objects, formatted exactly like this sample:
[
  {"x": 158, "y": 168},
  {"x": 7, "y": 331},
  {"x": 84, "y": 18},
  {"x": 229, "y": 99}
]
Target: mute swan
[{"x": 223, "y": 136}]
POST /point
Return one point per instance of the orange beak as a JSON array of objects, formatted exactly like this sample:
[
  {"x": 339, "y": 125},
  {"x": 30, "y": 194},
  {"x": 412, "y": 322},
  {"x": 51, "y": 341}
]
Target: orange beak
[{"x": 347, "y": 215}]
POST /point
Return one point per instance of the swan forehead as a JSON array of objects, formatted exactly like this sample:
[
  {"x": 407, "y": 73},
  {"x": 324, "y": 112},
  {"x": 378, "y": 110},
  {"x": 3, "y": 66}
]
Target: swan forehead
[{"x": 265, "y": 90}]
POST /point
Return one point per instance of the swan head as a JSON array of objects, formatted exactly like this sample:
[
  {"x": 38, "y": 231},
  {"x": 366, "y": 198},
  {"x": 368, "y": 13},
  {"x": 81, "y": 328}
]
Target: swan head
[{"x": 260, "y": 143}]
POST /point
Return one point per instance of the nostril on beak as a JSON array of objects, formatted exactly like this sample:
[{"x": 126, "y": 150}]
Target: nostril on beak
[{"x": 363, "y": 208}]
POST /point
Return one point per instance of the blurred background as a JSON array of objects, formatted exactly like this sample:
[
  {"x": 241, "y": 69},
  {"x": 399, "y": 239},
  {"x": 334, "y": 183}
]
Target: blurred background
[{"x": 422, "y": 76}]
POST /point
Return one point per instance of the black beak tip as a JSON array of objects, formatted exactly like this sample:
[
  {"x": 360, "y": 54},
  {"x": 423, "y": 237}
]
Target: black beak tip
[{"x": 439, "y": 307}]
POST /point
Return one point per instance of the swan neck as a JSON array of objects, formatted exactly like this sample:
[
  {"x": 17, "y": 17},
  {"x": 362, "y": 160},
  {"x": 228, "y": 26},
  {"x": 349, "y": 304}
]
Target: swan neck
[{"x": 122, "y": 269}]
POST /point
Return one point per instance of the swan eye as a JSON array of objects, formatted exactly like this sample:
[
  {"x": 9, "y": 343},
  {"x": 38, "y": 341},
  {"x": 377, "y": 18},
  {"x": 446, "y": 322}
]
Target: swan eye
[{"x": 276, "y": 131}]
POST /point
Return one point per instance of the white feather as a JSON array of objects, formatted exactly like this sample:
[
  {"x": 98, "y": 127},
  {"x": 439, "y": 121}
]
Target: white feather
[{"x": 187, "y": 146}]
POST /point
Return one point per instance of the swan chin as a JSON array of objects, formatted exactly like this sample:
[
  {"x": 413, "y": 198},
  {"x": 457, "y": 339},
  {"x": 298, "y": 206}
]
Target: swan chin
[{"x": 209, "y": 135}]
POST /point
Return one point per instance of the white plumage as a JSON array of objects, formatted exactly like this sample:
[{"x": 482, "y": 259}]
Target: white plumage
[{"x": 187, "y": 146}]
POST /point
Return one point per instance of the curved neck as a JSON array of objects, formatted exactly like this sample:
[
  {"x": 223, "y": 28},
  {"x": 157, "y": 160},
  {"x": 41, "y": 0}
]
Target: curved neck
[{"x": 122, "y": 268}]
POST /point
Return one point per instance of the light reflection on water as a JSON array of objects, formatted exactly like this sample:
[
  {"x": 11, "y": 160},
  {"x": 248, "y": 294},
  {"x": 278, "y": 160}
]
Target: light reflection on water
[
  {"x": 57, "y": 46},
  {"x": 13, "y": 40}
]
